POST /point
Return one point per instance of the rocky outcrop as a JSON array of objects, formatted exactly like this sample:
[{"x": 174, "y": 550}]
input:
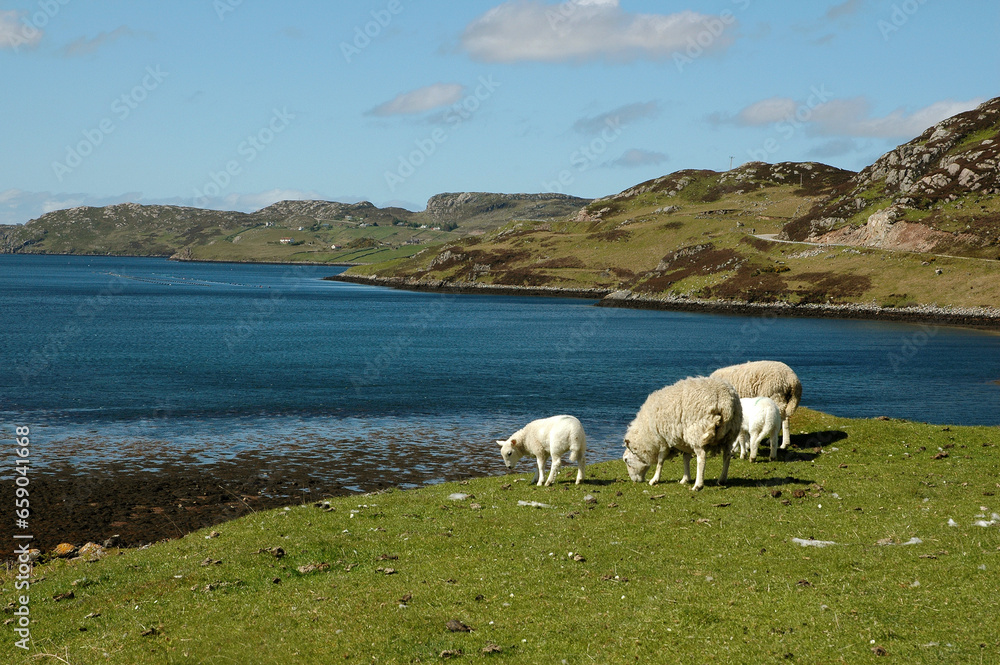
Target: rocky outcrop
[
  {"x": 454, "y": 207},
  {"x": 948, "y": 174}
]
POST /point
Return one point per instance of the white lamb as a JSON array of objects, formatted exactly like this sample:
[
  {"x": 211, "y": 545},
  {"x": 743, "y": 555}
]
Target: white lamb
[
  {"x": 767, "y": 378},
  {"x": 544, "y": 438},
  {"x": 698, "y": 416},
  {"x": 761, "y": 420}
]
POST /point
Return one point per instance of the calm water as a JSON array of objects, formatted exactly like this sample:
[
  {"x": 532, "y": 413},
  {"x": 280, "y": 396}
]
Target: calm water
[{"x": 140, "y": 360}]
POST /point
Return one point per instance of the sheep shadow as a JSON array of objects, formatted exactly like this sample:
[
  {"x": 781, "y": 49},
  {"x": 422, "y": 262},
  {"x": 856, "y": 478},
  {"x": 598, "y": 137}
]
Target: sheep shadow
[
  {"x": 766, "y": 482},
  {"x": 817, "y": 439}
]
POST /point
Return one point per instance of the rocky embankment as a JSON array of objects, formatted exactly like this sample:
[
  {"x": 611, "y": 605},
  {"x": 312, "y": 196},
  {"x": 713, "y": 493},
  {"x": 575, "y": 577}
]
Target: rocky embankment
[
  {"x": 440, "y": 285},
  {"x": 976, "y": 317}
]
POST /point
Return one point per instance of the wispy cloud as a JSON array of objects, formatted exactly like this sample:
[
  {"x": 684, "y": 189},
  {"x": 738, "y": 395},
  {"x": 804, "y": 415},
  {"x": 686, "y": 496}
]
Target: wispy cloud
[
  {"x": 623, "y": 115},
  {"x": 851, "y": 117},
  {"x": 636, "y": 158},
  {"x": 834, "y": 148},
  {"x": 420, "y": 100},
  {"x": 14, "y": 33},
  {"x": 578, "y": 30},
  {"x": 842, "y": 9},
  {"x": 84, "y": 46}
]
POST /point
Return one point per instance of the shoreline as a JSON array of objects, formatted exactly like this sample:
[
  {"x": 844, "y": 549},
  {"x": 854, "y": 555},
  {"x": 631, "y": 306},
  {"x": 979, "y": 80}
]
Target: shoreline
[
  {"x": 174, "y": 257},
  {"x": 966, "y": 317}
]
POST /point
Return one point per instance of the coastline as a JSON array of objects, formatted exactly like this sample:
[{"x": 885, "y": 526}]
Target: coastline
[
  {"x": 174, "y": 257},
  {"x": 966, "y": 317}
]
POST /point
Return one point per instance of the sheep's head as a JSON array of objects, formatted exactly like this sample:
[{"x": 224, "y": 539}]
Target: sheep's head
[
  {"x": 636, "y": 467},
  {"x": 511, "y": 450}
]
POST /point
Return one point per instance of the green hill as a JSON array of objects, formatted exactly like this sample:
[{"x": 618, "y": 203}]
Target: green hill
[
  {"x": 317, "y": 231},
  {"x": 918, "y": 227}
]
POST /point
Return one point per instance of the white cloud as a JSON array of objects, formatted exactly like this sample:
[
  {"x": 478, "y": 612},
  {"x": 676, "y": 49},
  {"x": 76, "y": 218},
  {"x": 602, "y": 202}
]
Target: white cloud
[
  {"x": 623, "y": 115},
  {"x": 766, "y": 111},
  {"x": 421, "y": 100},
  {"x": 14, "y": 33},
  {"x": 530, "y": 30},
  {"x": 844, "y": 117},
  {"x": 636, "y": 158},
  {"x": 852, "y": 117},
  {"x": 84, "y": 46}
]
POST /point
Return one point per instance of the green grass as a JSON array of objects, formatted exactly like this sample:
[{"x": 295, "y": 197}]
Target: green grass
[{"x": 667, "y": 575}]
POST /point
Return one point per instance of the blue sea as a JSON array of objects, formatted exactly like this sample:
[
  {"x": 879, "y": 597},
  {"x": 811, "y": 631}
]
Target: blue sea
[{"x": 139, "y": 362}]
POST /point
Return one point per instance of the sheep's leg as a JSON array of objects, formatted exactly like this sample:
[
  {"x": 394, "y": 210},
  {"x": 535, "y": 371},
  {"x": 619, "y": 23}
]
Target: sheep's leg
[
  {"x": 774, "y": 446},
  {"x": 659, "y": 466},
  {"x": 724, "y": 476},
  {"x": 755, "y": 446},
  {"x": 541, "y": 470},
  {"x": 739, "y": 446},
  {"x": 554, "y": 471},
  {"x": 786, "y": 435},
  {"x": 699, "y": 480},
  {"x": 580, "y": 464},
  {"x": 686, "y": 478}
]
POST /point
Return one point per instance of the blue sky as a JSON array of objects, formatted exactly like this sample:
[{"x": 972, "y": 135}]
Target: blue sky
[{"x": 235, "y": 104}]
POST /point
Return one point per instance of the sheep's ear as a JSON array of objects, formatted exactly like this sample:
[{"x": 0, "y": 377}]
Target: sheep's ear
[
  {"x": 514, "y": 443},
  {"x": 500, "y": 443}
]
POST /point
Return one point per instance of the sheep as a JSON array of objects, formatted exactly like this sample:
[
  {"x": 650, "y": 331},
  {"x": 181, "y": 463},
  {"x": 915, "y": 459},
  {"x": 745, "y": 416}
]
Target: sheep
[
  {"x": 766, "y": 378},
  {"x": 695, "y": 416},
  {"x": 761, "y": 420},
  {"x": 547, "y": 437}
]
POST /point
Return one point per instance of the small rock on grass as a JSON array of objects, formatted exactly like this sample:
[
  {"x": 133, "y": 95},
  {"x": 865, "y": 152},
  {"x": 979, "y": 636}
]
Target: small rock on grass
[
  {"x": 492, "y": 648},
  {"x": 450, "y": 653},
  {"x": 312, "y": 567}
]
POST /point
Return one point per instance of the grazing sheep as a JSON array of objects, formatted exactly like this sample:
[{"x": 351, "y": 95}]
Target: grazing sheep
[
  {"x": 767, "y": 378},
  {"x": 547, "y": 437},
  {"x": 761, "y": 420},
  {"x": 694, "y": 417}
]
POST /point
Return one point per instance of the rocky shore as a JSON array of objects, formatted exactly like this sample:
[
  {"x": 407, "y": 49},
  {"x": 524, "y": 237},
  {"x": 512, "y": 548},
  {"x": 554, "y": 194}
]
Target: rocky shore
[
  {"x": 437, "y": 285},
  {"x": 975, "y": 317}
]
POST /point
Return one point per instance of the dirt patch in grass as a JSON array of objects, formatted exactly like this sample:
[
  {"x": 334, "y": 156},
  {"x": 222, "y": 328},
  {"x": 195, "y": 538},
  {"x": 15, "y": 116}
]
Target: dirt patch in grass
[
  {"x": 614, "y": 235},
  {"x": 756, "y": 243},
  {"x": 562, "y": 262},
  {"x": 523, "y": 277},
  {"x": 750, "y": 284},
  {"x": 832, "y": 286},
  {"x": 703, "y": 259}
]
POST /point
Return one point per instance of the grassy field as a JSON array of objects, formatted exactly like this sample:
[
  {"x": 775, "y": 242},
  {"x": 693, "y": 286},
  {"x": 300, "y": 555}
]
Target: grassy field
[{"x": 606, "y": 572}]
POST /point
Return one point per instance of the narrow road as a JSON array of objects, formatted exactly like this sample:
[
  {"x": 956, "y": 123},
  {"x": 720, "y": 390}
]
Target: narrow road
[{"x": 770, "y": 237}]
